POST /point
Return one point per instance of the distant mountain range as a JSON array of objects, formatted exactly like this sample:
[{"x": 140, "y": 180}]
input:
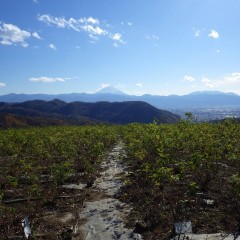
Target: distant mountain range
[
  {"x": 58, "y": 112},
  {"x": 111, "y": 94}
]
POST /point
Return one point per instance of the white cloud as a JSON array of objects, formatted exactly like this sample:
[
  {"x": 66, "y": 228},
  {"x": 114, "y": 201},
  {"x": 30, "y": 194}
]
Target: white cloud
[
  {"x": 209, "y": 83},
  {"x": 127, "y": 23},
  {"x": 93, "y": 20},
  {"x": 52, "y": 46},
  {"x": 117, "y": 37},
  {"x": 115, "y": 44},
  {"x": 228, "y": 81},
  {"x": 187, "y": 78},
  {"x": 152, "y": 37},
  {"x": 233, "y": 78},
  {"x": 25, "y": 45},
  {"x": 236, "y": 91},
  {"x": 213, "y": 34},
  {"x": 35, "y": 1},
  {"x": 2, "y": 85},
  {"x": 90, "y": 25},
  {"x": 197, "y": 32},
  {"x": 92, "y": 36},
  {"x": 35, "y": 34},
  {"x": 139, "y": 85},
  {"x": 11, "y": 34},
  {"x": 94, "y": 30},
  {"x": 47, "y": 79},
  {"x": 49, "y": 20}
]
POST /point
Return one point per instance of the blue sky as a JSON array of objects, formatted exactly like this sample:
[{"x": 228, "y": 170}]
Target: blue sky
[{"x": 159, "y": 47}]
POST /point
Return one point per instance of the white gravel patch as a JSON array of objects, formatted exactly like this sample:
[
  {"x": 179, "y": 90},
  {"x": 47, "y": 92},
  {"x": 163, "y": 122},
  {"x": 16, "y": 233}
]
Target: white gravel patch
[{"x": 215, "y": 236}]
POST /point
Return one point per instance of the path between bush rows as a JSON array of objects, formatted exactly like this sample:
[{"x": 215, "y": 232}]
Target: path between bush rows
[{"x": 104, "y": 216}]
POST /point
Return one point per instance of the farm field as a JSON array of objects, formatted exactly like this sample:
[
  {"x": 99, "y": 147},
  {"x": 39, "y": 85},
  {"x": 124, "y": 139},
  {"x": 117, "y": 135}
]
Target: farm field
[
  {"x": 175, "y": 172},
  {"x": 35, "y": 165},
  {"x": 184, "y": 172}
]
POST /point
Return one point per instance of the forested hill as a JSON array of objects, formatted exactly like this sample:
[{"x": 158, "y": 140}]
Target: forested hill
[{"x": 57, "y": 112}]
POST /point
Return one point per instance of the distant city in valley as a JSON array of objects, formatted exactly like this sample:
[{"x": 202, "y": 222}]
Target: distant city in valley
[{"x": 209, "y": 114}]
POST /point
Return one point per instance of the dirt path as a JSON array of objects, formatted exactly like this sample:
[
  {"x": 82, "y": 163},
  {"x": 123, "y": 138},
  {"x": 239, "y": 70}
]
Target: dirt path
[{"x": 104, "y": 214}]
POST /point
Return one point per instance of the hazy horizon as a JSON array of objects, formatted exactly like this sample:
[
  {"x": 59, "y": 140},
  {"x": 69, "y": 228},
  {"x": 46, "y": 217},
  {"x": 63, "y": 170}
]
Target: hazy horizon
[
  {"x": 141, "y": 47},
  {"x": 39, "y": 93}
]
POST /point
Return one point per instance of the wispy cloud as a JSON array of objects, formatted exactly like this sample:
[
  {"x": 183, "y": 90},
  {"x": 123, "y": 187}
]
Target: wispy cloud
[
  {"x": 127, "y": 23},
  {"x": 2, "y": 85},
  {"x": 92, "y": 26},
  {"x": 117, "y": 37},
  {"x": 11, "y": 34},
  {"x": 47, "y": 79},
  {"x": 209, "y": 83},
  {"x": 35, "y": 1},
  {"x": 233, "y": 78},
  {"x": 93, "y": 20},
  {"x": 93, "y": 37},
  {"x": 152, "y": 37},
  {"x": 237, "y": 91},
  {"x": 94, "y": 30},
  {"x": 139, "y": 85},
  {"x": 36, "y": 35},
  {"x": 59, "y": 22},
  {"x": 89, "y": 25},
  {"x": 197, "y": 32},
  {"x": 188, "y": 78},
  {"x": 25, "y": 45},
  {"x": 229, "y": 80},
  {"x": 213, "y": 34},
  {"x": 52, "y": 46}
]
